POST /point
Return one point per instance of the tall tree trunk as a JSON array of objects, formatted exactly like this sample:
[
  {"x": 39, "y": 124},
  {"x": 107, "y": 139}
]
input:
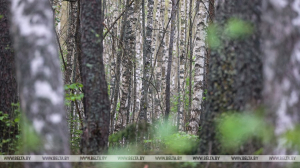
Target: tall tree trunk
[
  {"x": 235, "y": 73},
  {"x": 281, "y": 46},
  {"x": 162, "y": 52},
  {"x": 8, "y": 84},
  {"x": 115, "y": 70},
  {"x": 200, "y": 54},
  {"x": 129, "y": 54},
  {"x": 93, "y": 78},
  {"x": 179, "y": 114},
  {"x": 159, "y": 51},
  {"x": 70, "y": 72},
  {"x": 40, "y": 79},
  {"x": 183, "y": 60},
  {"x": 190, "y": 54},
  {"x": 120, "y": 53},
  {"x": 173, "y": 26},
  {"x": 147, "y": 36}
]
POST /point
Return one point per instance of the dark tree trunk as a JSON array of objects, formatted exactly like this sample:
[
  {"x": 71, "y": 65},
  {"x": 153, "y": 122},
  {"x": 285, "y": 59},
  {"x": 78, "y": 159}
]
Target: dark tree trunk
[
  {"x": 93, "y": 78},
  {"x": 235, "y": 73},
  {"x": 188, "y": 113},
  {"x": 173, "y": 26},
  {"x": 8, "y": 84},
  {"x": 39, "y": 80},
  {"x": 146, "y": 66}
]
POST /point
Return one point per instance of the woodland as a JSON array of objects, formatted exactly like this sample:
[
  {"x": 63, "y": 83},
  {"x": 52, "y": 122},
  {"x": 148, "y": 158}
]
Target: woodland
[{"x": 164, "y": 77}]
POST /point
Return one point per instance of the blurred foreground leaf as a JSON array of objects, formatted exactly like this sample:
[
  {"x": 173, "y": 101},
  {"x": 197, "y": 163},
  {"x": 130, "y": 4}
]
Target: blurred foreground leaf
[{"x": 237, "y": 28}]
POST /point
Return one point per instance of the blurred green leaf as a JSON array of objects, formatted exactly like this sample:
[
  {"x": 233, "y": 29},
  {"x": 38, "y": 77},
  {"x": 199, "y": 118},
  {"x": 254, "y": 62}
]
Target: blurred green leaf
[
  {"x": 237, "y": 28},
  {"x": 212, "y": 37},
  {"x": 292, "y": 138},
  {"x": 237, "y": 128}
]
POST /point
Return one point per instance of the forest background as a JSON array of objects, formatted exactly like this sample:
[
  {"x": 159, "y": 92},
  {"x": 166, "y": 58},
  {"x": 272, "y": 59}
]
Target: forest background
[{"x": 150, "y": 77}]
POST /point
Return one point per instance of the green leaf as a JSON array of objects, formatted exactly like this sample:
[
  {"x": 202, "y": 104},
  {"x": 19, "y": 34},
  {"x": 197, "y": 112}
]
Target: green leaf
[
  {"x": 89, "y": 65},
  {"x": 236, "y": 28},
  {"x": 213, "y": 39},
  {"x": 16, "y": 120},
  {"x": 237, "y": 128},
  {"x": 1, "y": 16}
]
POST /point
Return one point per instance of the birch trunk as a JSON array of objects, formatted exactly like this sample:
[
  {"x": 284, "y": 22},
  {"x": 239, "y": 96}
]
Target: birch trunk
[
  {"x": 281, "y": 46},
  {"x": 146, "y": 62},
  {"x": 129, "y": 54},
  {"x": 200, "y": 54},
  {"x": 118, "y": 73},
  {"x": 39, "y": 78}
]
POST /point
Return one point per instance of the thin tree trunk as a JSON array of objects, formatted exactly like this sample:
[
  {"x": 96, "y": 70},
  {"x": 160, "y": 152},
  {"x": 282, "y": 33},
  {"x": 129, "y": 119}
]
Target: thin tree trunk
[
  {"x": 173, "y": 26},
  {"x": 129, "y": 44},
  {"x": 178, "y": 70},
  {"x": 118, "y": 73},
  {"x": 190, "y": 54},
  {"x": 146, "y": 58}
]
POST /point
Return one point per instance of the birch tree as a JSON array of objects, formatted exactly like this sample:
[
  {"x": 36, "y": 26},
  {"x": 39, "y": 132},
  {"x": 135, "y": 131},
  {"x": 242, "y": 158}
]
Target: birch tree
[
  {"x": 200, "y": 52},
  {"x": 281, "y": 46},
  {"x": 147, "y": 36},
  {"x": 129, "y": 54},
  {"x": 40, "y": 79}
]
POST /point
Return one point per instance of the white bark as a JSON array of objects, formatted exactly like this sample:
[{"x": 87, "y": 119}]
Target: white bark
[
  {"x": 281, "y": 68},
  {"x": 199, "y": 53},
  {"x": 39, "y": 77}
]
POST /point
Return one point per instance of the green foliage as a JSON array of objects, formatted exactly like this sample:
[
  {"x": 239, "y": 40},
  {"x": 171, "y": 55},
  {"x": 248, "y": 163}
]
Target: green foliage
[
  {"x": 164, "y": 136},
  {"x": 118, "y": 107},
  {"x": 74, "y": 92},
  {"x": 204, "y": 94},
  {"x": 237, "y": 28},
  {"x": 173, "y": 141},
  {"x": 76, "y": 95},
  {"x": 57, "y": 13},
  {"x": 1, "y": 16},
  {"x": 30, "y": 140},
  {"x": 10, "y": 133},
  {"x": 76, "y": 134},
  {"x": 236, "y": 129},
  {"x": 186, "y": 97},
  {"x": 174, "y": 104},
  {"x": 212, "y": 37},
  {"x": 292, "y": 138},
  {"x": 233, "y": 29},
  {"x": 127, "y": 133},
  {"x": 181, "y": 142}
]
